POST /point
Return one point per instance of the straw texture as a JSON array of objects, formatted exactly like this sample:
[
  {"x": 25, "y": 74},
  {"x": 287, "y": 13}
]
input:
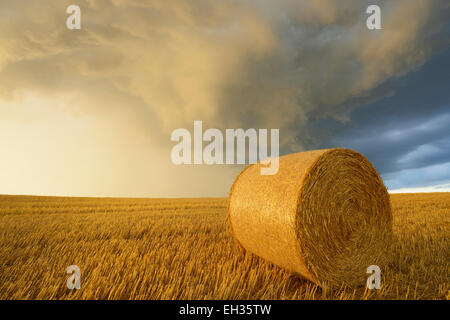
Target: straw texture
[{"x": 325, "y": 215}]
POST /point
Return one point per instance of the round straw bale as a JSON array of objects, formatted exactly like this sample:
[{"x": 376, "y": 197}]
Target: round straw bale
[{"x": 325, "y": 215}]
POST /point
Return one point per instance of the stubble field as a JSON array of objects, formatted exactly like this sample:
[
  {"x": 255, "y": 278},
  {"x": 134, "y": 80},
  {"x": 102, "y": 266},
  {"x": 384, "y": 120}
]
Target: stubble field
[{"x": 182, "y": 249}]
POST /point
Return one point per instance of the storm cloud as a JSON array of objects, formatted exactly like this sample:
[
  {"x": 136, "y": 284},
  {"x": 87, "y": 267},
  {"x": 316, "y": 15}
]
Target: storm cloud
[{"x": 90, "y": 112}]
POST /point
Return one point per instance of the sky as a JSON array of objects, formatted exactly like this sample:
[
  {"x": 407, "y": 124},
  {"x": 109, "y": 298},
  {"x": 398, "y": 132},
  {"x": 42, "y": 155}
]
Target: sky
[{"x": 90, "y": 112}]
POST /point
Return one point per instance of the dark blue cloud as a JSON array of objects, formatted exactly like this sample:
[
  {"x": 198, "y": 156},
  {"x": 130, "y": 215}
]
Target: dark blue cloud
[{"x": 406, "y": 135}]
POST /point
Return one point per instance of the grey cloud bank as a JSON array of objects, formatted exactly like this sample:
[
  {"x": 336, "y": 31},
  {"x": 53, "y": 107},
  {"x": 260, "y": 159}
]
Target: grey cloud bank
[
  {"x": 103, "y": 100},
  {"x": 407, "y": 135}
]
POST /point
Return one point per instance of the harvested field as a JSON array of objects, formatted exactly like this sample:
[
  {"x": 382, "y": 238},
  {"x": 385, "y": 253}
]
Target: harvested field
[{"x": 183, "y": 249}]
